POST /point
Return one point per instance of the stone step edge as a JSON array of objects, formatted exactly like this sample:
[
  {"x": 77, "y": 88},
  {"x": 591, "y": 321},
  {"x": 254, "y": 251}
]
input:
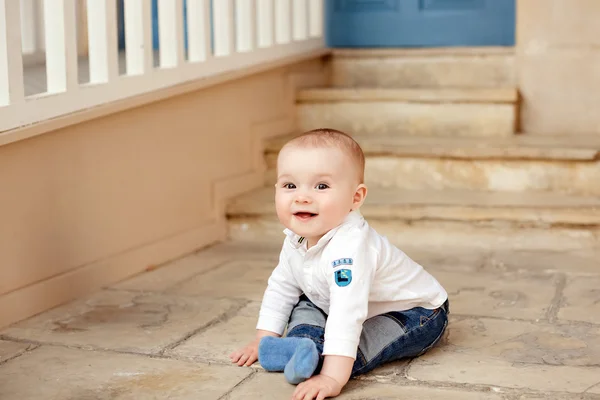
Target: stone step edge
[
  {"x": 459, "y": 149},
  {"x": 423, "y": 52},
  {"x": 409, "y": 95},
  {"x": 525, "y": 217},
  {"x": 585, "y": 214}
]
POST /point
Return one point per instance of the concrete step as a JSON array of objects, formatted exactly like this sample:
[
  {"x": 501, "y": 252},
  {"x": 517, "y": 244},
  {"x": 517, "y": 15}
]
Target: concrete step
[
  {"x": 424, "y": 68},
  {"x": 506, "y": 220},
  {"x": 565, "y": 164},
  {"x": 416, "y": 112}
]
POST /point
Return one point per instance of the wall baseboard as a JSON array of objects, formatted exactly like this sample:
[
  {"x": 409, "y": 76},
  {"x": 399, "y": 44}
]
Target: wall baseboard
[{"x": 41, "y": 296}]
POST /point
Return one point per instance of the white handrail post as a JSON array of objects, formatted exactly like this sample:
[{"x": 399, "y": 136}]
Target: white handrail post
[
  {"x": 12, "y": 88},
  {"x": 245, "y": 13},
  {"x": 300, "y": 19},
  {"x": 61, "y": 45},
  {"x": 265, "y": 21},
  {"x": 315, "y": 18},
  {"x": 138, "y": 37},
  {"x": 283, "y": 21},
  {"x": 28, "y": 26},
  {"x": 170, "y": 33},
  {"x": 102, "y": 38},
  {"x": 199, "y": 30},
  {"x": 223, "y": 22}
]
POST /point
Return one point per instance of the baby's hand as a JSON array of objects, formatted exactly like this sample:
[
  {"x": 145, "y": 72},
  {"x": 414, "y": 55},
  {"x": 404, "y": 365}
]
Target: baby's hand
[
  {"x": 318, "y": 387},
  {"x": 246, "y": 356}
]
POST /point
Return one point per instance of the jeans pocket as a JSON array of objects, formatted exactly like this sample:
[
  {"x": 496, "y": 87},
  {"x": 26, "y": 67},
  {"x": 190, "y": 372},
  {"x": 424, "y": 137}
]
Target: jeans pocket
[{"x": 424, "y": 319}]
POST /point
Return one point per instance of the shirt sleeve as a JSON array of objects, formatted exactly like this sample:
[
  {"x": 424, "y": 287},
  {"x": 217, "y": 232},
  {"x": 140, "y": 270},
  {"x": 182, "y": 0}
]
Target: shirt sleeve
[
  {"x": 352, "y": 266},
  {"x": 281, "y": 295}
]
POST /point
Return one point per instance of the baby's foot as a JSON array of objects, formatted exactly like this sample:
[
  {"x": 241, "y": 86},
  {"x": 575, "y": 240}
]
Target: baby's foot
[
  {"x": 303, "y": 363},
  {"x": 274, "y": 353}
]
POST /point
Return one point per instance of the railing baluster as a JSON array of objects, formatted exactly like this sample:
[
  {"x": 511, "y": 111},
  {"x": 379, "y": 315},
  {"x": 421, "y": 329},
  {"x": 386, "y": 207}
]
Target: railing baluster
[
  {"x": 138, "y": 37},
  {"x": 102, "y": 39},
  {"x": 28, "y": 26},
  {"x": 223, "y": 22},
  {"x": 170, "y": 33},
  {"x": 11, "y": 58},
  {"x": 245, "y": 22},
  {"x": 300, "y": 18},
  {"x": 265, "y": 23},
  {"x": 61, "y": 45},
  {"x": 283, "y": 21},
  {"x": 199, "y": 30},
  {"x": 315, "y": 18}
]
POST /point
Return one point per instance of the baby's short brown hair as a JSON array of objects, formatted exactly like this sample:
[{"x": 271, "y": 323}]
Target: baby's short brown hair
[{"x": 332, "y": 137}]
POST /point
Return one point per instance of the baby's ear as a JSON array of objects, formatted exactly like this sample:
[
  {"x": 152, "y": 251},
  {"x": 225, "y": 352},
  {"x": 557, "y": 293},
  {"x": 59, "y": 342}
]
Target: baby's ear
[{"x": 359, "y": 196}]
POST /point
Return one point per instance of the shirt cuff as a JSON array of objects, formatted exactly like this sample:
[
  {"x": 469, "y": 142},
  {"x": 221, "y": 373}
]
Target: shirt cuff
[
  {"x": 271, "y": 324},
  {"x": 340, "y": 347}
]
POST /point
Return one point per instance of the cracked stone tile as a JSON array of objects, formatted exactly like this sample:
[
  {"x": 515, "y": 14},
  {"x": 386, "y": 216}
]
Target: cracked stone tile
[
  {"x": 278, "y": 388},
  {"x": 440, "y": 365},
  {"x": 582, "y": 261},
  {"x": 581, "y": 300},
  {"x": 67, "y": 374},
  {"x": 174, "y": 272},
  {"x": 217, "y": 342},
  {"x": 451, "y": 259},
  {"x": 559, "y": 396},
  {"x": 524, "y": 342},
  {"x": 126, "y": 321},
  {"x": 507, "y": 295},
  {"x": 9, "y": 349},
  {"x": 245, "y": 279}
]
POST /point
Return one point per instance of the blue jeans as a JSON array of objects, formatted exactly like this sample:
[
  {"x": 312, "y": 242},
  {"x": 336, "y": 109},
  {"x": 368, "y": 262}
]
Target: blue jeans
[{"x": 384, "y": 338}]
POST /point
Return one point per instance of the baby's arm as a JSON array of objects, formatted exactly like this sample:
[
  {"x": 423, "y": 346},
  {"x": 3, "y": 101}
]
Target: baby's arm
[
  {"x": 278, "y": 301},
  {"x": 350, "y": 272}
]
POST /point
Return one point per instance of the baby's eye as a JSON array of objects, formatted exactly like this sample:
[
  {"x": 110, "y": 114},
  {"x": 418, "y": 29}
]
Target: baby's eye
[
  {"x": 322, "y": 186},
  {"x": 289, "y": 186}
]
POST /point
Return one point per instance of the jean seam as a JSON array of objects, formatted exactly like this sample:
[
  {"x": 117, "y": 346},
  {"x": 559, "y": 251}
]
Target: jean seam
[
  {"x": 436, "y": 340},
  {"x": 434, "y": 316},
  {"x": 402, "y": 326},
  {"x": 304, "y": 335}
]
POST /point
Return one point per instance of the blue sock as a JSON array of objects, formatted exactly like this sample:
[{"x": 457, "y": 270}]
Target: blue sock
[
  {"x": 274, "y": 353},
  {"x": 303, "y": 363}
]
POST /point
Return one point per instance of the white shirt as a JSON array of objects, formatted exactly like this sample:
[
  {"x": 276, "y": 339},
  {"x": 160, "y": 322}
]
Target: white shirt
[{"x": 352, "y": 274}]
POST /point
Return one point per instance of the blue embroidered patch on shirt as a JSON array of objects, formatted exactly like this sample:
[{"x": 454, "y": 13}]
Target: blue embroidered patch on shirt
[
  {"x": 342, "y": 261},
  {"x": 343, "y": 277}
]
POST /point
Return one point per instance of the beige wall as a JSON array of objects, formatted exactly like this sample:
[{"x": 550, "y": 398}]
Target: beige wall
[
  {"x": 558, "y": 59},
  {"x": 93, "y": 203}
]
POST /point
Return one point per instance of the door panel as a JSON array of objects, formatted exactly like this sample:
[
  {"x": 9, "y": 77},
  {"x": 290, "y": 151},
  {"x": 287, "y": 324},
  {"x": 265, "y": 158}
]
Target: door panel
[{"x": 420, "y": 23}]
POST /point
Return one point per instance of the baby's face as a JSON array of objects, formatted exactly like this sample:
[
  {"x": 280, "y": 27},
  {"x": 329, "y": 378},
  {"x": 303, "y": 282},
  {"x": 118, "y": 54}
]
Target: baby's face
[{"x": 315, "y": 189}]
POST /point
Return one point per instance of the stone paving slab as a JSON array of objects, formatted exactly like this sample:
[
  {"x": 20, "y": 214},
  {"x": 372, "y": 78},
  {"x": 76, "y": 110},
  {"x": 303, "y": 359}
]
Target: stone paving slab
[
  {"x": 525, "y": 342},
  {"x": 577, "y": 262},
  {"x": 278, "y": 389},
  {"x": 220, "y": 340},
  {"x": 58, "y": 373},
  {"x": 244, "y": 279},
  {"x": 177, "y": 271},
  {"x": 477, "y": 369},
  {"x": 126, "y": 321},
  {"x": 581, "y": 300},
  {"x": 10, "y": 350},
  {"x": 507, "y": 295}
]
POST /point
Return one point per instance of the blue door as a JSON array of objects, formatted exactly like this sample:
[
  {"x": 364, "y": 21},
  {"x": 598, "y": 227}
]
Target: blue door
[{"x": 420, "y": 23}]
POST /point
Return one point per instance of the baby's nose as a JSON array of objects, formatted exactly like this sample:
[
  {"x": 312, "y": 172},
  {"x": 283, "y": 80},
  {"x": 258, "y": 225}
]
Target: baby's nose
[{"x": 303, "y": 199}]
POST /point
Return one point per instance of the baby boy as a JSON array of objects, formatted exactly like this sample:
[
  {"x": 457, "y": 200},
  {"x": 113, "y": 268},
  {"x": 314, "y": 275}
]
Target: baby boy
[{"x": 350, "y": 300}]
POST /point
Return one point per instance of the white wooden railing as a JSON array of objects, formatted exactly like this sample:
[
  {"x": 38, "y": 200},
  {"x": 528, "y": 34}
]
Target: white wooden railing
[{"x": 245, "y": 33}]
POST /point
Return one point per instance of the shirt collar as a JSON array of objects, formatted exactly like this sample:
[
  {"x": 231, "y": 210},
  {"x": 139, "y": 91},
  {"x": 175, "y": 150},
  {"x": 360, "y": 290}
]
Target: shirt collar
[{"x": 298, "y": 241}]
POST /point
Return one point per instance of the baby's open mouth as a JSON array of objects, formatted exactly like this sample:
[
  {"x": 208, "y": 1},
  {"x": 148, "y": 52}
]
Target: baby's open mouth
[{"x": 304, "y": 215}]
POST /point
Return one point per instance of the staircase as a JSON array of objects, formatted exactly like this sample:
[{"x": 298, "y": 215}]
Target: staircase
[{"x": 445, "y": 165}]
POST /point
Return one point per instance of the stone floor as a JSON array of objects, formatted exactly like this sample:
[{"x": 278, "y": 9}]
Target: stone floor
[{"x": 524, "y": 325}]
